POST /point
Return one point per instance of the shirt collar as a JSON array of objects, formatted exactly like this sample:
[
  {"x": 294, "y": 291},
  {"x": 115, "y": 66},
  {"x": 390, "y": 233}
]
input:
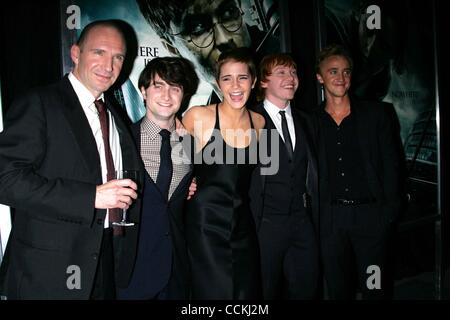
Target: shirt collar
[
  {"x": 152, "y": 130},
  {"x": 274, "y": 111},
  {"x": 85, "y": 97}
]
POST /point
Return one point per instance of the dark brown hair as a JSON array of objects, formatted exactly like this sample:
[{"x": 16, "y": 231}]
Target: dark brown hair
[
  {"x": 176, "y": 71},
  {"x": 242, "y": 54}
]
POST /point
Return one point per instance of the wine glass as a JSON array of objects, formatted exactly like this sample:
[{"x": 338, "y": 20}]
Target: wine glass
[{"x": 126, "y": 174}]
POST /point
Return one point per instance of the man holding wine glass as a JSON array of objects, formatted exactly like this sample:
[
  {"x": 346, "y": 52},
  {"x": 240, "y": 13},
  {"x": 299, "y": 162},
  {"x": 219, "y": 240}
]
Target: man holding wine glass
[
  {"x": 160, "y": 268},
  {"x": 58, "y": 154}
]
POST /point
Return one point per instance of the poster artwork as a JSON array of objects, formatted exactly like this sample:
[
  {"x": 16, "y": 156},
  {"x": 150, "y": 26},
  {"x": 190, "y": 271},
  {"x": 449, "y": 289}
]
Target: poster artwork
[{"x": 198, "y": 30}]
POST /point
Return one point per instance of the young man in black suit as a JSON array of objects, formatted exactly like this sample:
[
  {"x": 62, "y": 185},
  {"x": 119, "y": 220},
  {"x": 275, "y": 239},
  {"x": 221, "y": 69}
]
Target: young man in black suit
[
  {"x": 359, "y": 182},
  {"x": 161, "y": 268},
  {"x": 58, "y": 153},
  {"x": 285, "y": 203}
]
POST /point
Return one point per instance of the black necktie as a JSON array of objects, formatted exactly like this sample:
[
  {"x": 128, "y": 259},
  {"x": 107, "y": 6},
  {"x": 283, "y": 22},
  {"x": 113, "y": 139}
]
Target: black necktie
[
  {"x": 114, "y": 214},
  {"x": 165, "y": 165},
  {"x": 286, "y": 135}
]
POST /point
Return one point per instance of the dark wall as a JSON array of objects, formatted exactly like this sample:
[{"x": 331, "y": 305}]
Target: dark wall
[
  {"x": 443, "y": 52},
  {"x": 303, "y": 47},
  {"x": 30, "y": 42}
]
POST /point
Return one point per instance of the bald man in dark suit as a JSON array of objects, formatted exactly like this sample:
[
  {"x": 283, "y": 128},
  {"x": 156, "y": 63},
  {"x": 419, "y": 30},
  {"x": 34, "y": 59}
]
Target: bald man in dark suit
[{"x": 54, "y": 171}]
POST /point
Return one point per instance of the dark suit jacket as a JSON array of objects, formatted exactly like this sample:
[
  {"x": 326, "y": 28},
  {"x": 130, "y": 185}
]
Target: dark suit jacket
[
  {"x": 49, "y": 170},
  {"x": 379, "y": 152},
  {"x": 169, "y": 264},
  {"x": 301, "y": 120}
]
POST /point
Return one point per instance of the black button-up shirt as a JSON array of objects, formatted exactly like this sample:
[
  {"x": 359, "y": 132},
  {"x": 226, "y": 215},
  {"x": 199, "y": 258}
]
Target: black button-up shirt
[{"x": 346, "y": 172}]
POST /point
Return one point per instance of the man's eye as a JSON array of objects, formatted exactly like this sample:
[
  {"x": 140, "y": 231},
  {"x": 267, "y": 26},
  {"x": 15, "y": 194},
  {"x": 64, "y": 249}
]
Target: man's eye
[
  {"x": 230, "y": 14},
  {"x": 197, "y": 27}
]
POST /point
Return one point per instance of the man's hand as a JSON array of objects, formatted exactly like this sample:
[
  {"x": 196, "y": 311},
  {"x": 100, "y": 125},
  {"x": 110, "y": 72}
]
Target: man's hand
[
  {"x": 115, "y": 194},
  {"x": 192, "y": 188}
]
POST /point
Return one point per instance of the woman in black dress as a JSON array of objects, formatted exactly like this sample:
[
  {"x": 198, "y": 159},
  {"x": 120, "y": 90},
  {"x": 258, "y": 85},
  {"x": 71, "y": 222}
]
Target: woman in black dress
[{"x": 220, "y": 232}]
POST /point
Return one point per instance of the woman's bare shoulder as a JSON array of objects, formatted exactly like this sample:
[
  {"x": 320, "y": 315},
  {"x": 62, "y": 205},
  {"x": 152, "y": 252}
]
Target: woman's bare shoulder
[
  {"x": 199, "y": 111},
  {"x": 258, "y": 120},
  {"x": 204, "y": 115}
]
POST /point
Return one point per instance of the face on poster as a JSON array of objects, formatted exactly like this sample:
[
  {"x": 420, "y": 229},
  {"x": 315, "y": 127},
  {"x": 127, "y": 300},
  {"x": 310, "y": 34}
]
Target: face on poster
[{"x": 198, "y": 30}]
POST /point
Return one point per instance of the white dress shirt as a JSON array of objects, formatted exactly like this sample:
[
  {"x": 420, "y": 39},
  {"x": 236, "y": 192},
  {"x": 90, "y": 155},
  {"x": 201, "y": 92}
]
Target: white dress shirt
[
  {"x": 87, "y": 103},
  {"x": 274, "y": 113}
]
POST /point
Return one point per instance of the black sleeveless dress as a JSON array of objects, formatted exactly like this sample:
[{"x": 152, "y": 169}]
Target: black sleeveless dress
[{"x": 220, "y": 231}]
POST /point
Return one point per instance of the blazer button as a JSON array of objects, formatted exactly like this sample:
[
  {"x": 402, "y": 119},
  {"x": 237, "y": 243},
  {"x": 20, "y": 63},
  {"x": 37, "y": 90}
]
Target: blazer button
[
  {"x": 99, "y": 221},
  {"x": 94, "y": 256},
  {"x": 167, "y": 234}
]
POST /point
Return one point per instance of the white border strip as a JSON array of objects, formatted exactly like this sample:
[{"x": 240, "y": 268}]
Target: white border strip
[{"x": 5, "y": 228}]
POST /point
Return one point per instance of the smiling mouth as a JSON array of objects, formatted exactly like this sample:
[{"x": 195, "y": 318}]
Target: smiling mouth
[
  {"x": 104, "y": 78},
  {"x": 236, "y": 96}
]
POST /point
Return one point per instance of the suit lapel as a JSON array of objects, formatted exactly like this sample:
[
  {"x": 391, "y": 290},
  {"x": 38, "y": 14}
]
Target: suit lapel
[
  {"x": 271, "y": 126},
  {"x": 269, "y": 123},
  {"x": 299, "y": 136},
  {"x": 301, "y": 126},
  {"x": 179, "y": 191},
  {"x": 304, "y": 127},
  {"x": 130, "y": 157},
  {"x": 362, "y": 131},
  {"x": 80, "y": 128}
]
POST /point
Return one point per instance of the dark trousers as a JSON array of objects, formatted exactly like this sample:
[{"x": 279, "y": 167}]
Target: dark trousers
[
  {"x": 104, "y": 284},
  {"x": 289, "y": 257},
  {"x": 356, "y": 242}
]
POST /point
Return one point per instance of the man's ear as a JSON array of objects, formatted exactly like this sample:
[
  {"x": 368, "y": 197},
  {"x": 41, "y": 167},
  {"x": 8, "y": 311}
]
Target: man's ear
[
  {"x": 169, "y": 47},
  {"x": 75, "y": 53},
  {"x": 144, "y": 95},
  {"x": 263, "y": 84},
  {"x": 319, "y": 78}
]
